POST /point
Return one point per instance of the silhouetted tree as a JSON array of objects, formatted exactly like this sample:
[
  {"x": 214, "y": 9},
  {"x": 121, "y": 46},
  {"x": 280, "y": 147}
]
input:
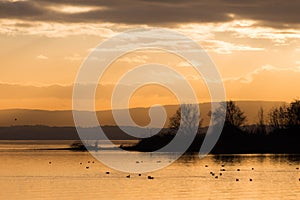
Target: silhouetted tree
[
  {"x": 293, "y": 114},
  {"x": 286, "y": 116},
  {"x": 261, "y": 126},
  {"x": 186, "y": 116},
  {"x": 278, "y": 117},
  {"x": 233, "y": 115},
  {"x": 174, "y": 122}
]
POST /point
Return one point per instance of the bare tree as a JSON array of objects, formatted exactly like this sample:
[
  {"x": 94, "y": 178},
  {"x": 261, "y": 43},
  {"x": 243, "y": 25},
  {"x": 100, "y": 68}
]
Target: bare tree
[
  {"x": 187, "y": 117},
  {"x": 278, "y": 117},
  {"x": 174, "y": 122},
  {"x": 286, "y": 116},
  {"x": 233, "y": 115},
  {"x": 261, "y": 126},
  {"x": 293, "y": 114}
]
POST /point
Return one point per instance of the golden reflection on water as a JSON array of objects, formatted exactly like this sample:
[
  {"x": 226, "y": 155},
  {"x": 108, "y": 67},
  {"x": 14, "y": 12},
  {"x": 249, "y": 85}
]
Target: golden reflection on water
[{"x": 29, "y": 175}]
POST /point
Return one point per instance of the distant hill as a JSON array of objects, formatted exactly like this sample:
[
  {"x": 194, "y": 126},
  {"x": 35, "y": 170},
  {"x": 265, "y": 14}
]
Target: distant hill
[
  {"x": 66, "y": 133},
  {"x": 20, "y": 117}
]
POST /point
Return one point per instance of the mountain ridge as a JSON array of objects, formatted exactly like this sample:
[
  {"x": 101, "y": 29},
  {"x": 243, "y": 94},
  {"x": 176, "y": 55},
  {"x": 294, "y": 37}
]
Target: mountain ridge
[{"x": 61, "y": 118}]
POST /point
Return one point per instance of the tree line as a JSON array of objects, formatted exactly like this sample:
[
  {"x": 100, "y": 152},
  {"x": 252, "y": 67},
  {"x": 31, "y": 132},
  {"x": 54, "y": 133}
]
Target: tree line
[
  {"x": 274, "y": 132},
  {"x": 279, "y": 119}
]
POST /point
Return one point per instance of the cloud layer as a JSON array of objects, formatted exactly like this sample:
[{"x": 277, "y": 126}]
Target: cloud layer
[
  {"x": 264, "y": 83},
  {"x": 283, "y": 14}
]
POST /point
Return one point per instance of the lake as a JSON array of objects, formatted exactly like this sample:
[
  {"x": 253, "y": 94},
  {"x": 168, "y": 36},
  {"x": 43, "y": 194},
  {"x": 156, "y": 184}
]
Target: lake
[{"x": 27, "y": 174}]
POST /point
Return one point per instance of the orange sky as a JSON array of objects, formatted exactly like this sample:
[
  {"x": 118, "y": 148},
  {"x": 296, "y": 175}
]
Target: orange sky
[{"x": 257, "y": 56}]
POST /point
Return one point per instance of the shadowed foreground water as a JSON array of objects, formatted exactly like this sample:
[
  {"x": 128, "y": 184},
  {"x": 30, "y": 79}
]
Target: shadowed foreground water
[{"x": 26, "y": 174}]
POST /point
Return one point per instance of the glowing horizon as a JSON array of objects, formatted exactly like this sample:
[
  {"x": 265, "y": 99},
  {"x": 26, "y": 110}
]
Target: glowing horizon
[{"x": 257, "y": 53}]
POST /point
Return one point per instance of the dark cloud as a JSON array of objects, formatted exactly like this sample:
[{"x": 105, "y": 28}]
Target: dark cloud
[
  {"x": 20, "y": 9},
  {"x": 273, "y": 13}
]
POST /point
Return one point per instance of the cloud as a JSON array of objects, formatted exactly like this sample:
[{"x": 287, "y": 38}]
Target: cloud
[
  {"x": 250, "y": 29},
  {"x": 265, "y": 83},
  {"x": 42, "y": 57},
  {"x": 183, "y": 64},
  {"x": 134, "y": 59},
  {"x": 223, "y": 47},
  {"x": 249, "y": 77},
  {"x": 72, "y": 9},
  {"x": 54, "y": 30},
  {"x": 282, "y": 14},
  {"x": 239, "y": 28},
  {"x": 17, "y": 91},
  {"x": 74, "y": 57}
]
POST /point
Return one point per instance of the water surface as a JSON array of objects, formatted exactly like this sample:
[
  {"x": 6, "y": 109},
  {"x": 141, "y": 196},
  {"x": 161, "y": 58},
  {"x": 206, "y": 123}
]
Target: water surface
[{"x": 27, "y": 174}]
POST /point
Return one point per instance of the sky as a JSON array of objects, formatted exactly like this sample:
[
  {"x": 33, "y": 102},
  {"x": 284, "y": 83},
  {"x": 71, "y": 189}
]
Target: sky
[{"x": 254, "y": 44}]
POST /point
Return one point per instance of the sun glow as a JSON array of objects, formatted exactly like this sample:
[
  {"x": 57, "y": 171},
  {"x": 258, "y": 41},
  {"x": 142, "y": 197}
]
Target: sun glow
[{"x": 74, "y": 9}]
